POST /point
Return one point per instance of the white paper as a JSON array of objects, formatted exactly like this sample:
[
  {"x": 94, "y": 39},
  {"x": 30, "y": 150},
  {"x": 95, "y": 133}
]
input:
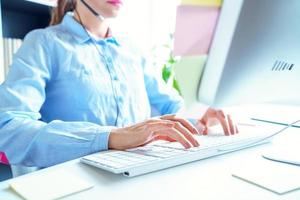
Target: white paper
[
  {"x": 48, "y": 185},
  {"x": 285, "y": 148},
  {"x": 273, "y": 176}
]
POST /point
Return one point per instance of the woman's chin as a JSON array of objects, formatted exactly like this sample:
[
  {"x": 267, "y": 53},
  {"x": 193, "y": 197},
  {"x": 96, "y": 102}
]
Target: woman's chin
[{"x": 112, "y": 14}]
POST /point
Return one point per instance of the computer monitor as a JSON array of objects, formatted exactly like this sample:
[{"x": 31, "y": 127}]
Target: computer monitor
[{"x": 255, "y": 55}]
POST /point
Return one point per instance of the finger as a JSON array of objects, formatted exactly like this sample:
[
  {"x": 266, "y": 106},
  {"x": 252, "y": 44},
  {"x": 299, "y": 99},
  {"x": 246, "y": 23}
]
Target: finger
[
  {"x": 234, "y": 124},
  {"x": 188, "y": 125},
  {"x": 158, "y": 125},
  {"x": 200, "y": 127},
  {"x": 209, "y": 114},
  {"x": 148, "y": 142},
  {"x": 147, "y": 131},
  {"x": 236, "y": 129},
  {"x": 168, "y": 116},
  {"x": 205, "y": 131},
  {"x": 178, "y": 126},
  {"x": 184, "y": 122},
  {"x": 222, "y": 119},
  {"x": 231, "y": 125},
  {"x": 166, "y": 138},
  {"x": 175, "y": 135},
  {"x": 160, "y": 137},
  {"x": 188, "y": 135}
]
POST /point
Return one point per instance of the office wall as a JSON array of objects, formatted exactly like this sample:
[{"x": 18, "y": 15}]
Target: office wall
[
  {"x": 1, "y": 50},
  {"x": 188, "y": 72},
  {"x": 195, "y": 25}
]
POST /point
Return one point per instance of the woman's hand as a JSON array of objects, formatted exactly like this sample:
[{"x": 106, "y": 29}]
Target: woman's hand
[
  {"x": 168, "y": 127},
  {"x": 213, "y": 117}
]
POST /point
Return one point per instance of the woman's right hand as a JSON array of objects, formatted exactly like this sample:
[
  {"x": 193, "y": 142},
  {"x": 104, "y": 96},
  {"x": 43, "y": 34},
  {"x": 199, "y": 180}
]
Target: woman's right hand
[{"x": 177, "y": 129}]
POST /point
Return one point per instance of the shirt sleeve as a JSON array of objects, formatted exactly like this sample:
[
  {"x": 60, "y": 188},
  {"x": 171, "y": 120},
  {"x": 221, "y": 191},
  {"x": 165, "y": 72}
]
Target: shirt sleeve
[
  {"x": 163, "y": 98},
  {"x": 23, "y": 137}
]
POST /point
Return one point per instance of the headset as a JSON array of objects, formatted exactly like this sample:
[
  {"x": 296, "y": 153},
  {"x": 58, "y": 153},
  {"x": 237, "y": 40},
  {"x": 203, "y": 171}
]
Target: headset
[
  {"x": 101, "y": 18},
  {"x": 92, "y": 10}
]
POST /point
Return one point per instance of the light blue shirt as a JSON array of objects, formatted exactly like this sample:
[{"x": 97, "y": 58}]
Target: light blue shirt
[{"x": 58, "y": 102}]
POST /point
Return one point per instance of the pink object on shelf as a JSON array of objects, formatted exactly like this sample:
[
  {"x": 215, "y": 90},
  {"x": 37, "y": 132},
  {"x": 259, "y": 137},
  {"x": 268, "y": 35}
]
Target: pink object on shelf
[
  {"x": 3, "y": 158},
  {"x": 195, "y": 26}
]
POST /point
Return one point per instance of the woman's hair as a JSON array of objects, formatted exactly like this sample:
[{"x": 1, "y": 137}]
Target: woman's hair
[{"x": 58, "y": 13}]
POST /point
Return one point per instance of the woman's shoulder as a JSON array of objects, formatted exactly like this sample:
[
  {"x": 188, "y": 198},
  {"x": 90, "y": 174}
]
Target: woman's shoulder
[
  {"x": 49, "y": 33},
  {"x": 36, "y": 34}
]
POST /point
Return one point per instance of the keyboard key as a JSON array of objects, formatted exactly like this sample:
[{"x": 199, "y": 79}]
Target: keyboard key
[{"x": 156, "y": 151}]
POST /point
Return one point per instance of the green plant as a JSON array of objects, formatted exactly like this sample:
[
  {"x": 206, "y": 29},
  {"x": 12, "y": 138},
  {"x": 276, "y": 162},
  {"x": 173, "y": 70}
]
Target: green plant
[{"x": 168, "y": 74}]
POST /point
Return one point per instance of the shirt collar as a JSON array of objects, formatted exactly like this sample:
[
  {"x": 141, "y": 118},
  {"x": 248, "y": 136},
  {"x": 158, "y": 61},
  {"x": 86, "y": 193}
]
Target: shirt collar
[{"x": 80, "y": 34}]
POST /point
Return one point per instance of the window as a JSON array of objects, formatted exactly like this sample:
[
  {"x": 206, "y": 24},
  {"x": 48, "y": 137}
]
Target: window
[{"x": 148, "y": 23}]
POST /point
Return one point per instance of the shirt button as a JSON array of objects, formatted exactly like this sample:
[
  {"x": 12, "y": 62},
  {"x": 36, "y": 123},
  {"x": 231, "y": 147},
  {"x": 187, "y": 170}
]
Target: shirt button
[
  {"x": 109, "y": 60},
  {"x": 115, "y": 78},
  {"x": 120, "y": 99}
]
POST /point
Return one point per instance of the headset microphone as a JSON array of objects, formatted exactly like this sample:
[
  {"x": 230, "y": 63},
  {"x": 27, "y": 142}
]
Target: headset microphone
[{"x": 92, "y": 10}]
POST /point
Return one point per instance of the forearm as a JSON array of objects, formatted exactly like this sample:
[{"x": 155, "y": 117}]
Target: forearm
[{"x": 34, "y": 143}]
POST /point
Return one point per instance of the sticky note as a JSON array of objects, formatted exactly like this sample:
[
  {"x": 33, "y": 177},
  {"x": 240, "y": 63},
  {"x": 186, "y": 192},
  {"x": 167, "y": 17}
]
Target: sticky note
[
  {"x": 195, "y": 26},
  {"x": 48, "y": 185},
  {"x": 188, "y": 72},
  {"x": 202, "y": 2}
]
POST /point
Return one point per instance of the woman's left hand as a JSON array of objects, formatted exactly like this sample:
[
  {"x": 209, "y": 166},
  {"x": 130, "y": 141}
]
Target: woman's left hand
[{"x": 213, "y": 117}]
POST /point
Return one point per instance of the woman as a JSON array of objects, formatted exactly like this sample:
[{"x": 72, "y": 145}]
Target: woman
[{"x": 74, "y": 89}]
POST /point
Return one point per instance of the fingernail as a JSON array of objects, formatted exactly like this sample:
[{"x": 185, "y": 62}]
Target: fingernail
[{"x": 195, "y": 131}]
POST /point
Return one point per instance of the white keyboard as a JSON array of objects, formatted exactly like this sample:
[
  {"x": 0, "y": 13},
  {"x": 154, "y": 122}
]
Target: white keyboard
[{"x": 161, "y": 155}]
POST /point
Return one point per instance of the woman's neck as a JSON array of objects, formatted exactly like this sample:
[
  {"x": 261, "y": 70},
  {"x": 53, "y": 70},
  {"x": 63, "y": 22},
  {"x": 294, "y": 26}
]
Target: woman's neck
[{"x": 94, "y": 25}]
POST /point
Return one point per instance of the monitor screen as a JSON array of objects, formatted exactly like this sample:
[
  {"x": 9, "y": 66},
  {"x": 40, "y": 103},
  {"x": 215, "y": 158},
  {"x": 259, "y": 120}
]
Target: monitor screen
[{"x": 255, "y": 55}]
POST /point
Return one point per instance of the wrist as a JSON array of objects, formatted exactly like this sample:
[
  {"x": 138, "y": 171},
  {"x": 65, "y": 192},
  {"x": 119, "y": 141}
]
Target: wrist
[
  {"x": 118, "y": 139},
  {"x": 113, "y": 137}
]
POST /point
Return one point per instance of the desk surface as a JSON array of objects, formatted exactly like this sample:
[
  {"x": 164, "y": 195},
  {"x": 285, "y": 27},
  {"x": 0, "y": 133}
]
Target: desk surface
[{"x": 205, "y": 179}]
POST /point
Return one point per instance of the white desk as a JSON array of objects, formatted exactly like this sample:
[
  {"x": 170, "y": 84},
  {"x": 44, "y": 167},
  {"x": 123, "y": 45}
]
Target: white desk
[{"x": 206, "y": 179}]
